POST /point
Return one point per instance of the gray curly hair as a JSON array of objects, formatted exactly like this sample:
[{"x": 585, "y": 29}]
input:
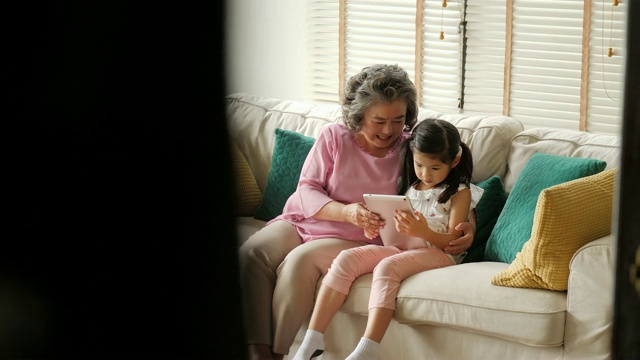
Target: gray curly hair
[{"x": 374, "y": 85}]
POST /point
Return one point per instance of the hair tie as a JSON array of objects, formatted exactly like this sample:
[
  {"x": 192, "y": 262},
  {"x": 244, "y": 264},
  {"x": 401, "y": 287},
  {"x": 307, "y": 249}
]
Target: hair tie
[{"x": 459, "y": 151}]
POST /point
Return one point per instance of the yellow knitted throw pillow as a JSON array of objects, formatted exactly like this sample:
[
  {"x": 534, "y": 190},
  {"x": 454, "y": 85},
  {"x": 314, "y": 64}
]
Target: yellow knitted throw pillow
[
  {"x": 567, "y": 216},
  {"x": 248, "y": 194}
]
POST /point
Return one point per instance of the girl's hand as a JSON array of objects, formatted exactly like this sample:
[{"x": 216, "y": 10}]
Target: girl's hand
[{"x": 413, "y": 225}]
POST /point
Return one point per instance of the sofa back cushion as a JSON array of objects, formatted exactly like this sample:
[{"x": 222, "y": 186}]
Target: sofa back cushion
[
  {"x": 487, "y": 212},
  {"x": 559, "y": 142},
  {"x": 488, "y": 137},
  {"x": 567, "y": 216},
  {"x": 252, "y": 121},
  {"x": 248, "y": 194},
  {"x": 515, "y": 222},
  {"x": 288, "y": 157}
]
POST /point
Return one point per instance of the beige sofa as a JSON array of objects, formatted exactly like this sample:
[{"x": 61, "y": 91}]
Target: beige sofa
[{"x": 456, "y": 312}]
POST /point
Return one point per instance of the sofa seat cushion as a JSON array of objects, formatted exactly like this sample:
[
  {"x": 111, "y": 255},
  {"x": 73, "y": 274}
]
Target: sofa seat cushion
[{"x": 528, "y": 316}]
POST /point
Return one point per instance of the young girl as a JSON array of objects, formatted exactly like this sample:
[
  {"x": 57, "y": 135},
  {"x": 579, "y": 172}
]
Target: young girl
[{"x": 436, "y": 176}]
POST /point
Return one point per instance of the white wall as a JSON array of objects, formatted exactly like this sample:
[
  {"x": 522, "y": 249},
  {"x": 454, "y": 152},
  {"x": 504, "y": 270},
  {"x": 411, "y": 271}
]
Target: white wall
[{"x": 266, "y": 48}]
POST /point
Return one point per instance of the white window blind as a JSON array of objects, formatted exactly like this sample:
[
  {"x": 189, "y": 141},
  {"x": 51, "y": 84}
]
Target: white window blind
[
  {"x": 606, "y": 74},
  {"x": 323, "y": 17},
  {"x": 380, "y": 32},
  {"x": 555, "y": 69},
  {"x": 485, "y": 58},
  {"x": 546, "y": 63},
  {"x": 441, "y": 58}
]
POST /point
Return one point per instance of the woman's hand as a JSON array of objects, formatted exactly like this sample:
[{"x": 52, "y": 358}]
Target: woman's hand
[
  {"x": 461, "y": 244},
  {"x": 371, "y": 234},
  {"x": 359, "y": 215}
]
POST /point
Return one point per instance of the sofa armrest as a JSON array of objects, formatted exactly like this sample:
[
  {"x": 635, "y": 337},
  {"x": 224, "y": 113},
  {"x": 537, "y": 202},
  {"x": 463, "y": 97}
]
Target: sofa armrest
[{"x": 590, "y": 301}]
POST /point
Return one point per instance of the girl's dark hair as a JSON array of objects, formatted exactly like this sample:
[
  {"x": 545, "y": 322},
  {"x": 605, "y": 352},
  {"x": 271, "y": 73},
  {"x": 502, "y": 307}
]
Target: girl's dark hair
[
  {"x": 378, "y": 84},
  {"x": 439, "y": 139}
]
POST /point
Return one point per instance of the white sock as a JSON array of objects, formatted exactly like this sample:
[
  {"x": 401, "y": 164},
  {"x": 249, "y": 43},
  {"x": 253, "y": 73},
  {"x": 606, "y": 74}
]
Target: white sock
[
  {"x": 312, "y": 346},
  {"x": 367, "y": 349}
]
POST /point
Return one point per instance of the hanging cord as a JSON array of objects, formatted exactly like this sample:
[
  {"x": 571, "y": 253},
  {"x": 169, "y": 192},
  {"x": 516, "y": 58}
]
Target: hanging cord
[
  {"x": 444, "y": 5},
  {"x": 462, "y": 37},
  {"x": 462, "y": 33},
  {"x": 610, "y": 52}
]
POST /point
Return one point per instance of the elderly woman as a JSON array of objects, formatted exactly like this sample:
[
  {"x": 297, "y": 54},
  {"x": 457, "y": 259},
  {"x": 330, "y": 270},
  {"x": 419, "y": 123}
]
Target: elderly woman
[{"x": 281, "y": 264}]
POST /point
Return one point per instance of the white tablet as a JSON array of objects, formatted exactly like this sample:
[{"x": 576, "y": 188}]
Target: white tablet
[{"x": 384, "y": 205}]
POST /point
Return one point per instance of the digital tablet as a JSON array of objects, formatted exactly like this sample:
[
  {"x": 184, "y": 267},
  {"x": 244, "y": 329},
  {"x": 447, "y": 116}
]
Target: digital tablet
[{"x": 384, "y": 205}]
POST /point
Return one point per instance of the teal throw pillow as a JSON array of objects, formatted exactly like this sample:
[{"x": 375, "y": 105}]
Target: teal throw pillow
[
  {"x": 289, "y": 153},
  {"x": 487, "y": 211},
  {"x": 515, "y": 222}
]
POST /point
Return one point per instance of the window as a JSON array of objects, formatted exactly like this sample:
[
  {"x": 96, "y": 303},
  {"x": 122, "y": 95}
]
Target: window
[
  {"x": 544, "y": 62},
  {"x": 606, "y": 74},
  {"x": 323, "y": 44}
]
